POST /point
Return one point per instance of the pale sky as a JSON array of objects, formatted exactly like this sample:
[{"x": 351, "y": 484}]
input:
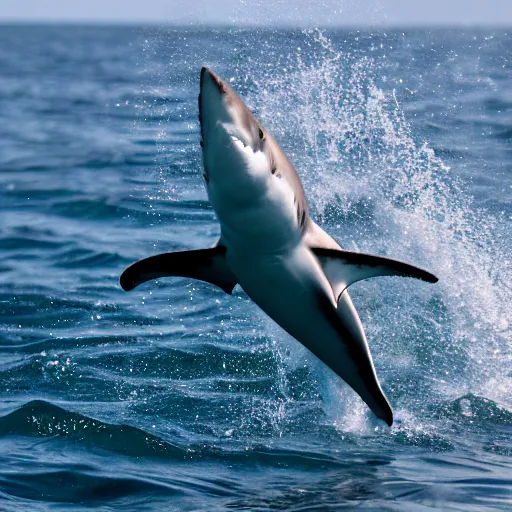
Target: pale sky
[{"x": 265, "y": 12}]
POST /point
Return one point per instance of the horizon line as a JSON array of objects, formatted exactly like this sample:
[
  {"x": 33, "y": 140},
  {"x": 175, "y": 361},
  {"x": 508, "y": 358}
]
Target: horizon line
[{"x": 150, "y": 23}]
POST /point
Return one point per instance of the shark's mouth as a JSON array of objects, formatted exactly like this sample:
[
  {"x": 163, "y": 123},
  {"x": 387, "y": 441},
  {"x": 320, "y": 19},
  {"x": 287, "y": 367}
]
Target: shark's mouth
[{"x": 235, "y": 139}]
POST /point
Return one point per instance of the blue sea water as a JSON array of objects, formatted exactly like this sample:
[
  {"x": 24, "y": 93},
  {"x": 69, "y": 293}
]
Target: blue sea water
[{"x": 178, "y": 397}]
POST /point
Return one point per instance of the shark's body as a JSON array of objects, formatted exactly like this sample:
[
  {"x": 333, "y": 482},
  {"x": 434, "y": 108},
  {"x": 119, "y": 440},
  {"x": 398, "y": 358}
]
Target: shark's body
[{"x": 269, "y": 245}]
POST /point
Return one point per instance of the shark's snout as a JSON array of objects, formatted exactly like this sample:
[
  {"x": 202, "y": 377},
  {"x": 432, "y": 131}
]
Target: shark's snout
[
  {"x": 212, "y": 107},
  {"x": 224, "y": 118},
  {"x": 213, "y": 99},
  {"x": 208, "y": 74}
]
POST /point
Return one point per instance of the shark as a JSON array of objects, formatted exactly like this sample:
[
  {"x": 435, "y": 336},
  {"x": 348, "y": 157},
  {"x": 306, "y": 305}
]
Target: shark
[{"x": 270, "y": 246}]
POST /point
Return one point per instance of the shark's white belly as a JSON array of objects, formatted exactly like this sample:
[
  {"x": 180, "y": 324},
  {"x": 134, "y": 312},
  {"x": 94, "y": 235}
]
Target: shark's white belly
[
  {"x": 256, "y": 209},
  {"x": 285, "y": 285}
]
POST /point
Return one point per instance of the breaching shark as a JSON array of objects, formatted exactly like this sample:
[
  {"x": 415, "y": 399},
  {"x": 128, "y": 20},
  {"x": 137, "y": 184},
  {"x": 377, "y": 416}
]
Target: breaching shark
[{"x": 269, "y": 245}]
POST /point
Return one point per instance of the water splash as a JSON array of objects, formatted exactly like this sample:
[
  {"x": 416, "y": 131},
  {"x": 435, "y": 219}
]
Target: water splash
[{"x": 377, "y": 189}]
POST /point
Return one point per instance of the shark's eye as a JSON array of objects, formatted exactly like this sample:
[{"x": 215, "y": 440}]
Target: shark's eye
[{"x": 262, "y": 135}]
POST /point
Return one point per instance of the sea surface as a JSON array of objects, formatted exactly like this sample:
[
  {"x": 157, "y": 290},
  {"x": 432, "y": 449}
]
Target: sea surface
[{"x": 178, "y": 397}]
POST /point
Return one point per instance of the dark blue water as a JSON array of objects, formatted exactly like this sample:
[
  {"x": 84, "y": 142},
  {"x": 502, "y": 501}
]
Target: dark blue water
[{"x": 178, "y": 397}]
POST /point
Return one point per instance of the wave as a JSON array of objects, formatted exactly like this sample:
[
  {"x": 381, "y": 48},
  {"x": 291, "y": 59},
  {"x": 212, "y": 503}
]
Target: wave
[
  {"x": 85, "y": 258},
  {"x": 147, "y": 468},
  {"x": 43, "y": 419},
  {"x": 476, "y": 411}
]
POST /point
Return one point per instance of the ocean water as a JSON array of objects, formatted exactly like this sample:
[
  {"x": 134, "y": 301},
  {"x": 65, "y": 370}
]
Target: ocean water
[{"x": 178, "y": 397}]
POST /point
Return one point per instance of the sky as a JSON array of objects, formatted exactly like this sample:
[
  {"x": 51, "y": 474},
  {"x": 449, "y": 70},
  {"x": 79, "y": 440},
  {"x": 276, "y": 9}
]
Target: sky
[{"x": 265, "y": 12}]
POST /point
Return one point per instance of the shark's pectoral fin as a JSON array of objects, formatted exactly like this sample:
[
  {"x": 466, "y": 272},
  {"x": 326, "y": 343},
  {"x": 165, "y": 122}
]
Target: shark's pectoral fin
[
  {"x": 208, "y": 265},
  {"x": 343, "y": 268}
]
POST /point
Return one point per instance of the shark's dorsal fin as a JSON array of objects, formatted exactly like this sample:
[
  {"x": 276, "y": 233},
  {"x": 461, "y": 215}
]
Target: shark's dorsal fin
[
  {"x": 343, "y": 268},
  {"x": 208, "y": 265}
]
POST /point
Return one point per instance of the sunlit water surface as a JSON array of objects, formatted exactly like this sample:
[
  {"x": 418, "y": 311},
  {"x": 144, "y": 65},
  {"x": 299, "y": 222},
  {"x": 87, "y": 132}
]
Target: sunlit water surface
[{"x": 178, "y": 397}]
